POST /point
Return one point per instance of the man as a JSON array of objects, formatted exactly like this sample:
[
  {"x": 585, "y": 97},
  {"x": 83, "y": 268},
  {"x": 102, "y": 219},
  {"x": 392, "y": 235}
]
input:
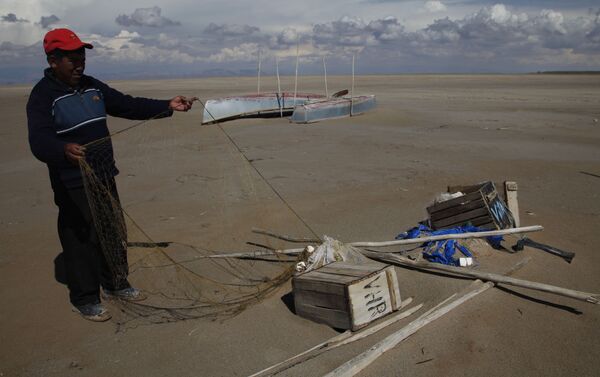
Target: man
[{"x": 65, "y": 111}]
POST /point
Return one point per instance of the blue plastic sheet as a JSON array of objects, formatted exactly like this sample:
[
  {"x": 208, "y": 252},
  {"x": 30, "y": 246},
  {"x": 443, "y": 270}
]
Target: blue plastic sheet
[{"x": 443, "y": 251}]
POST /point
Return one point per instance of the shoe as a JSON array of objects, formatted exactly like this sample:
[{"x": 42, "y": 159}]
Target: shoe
[
  {"x": 93, "y": 312},
  {"x": 127, "y": 294}
]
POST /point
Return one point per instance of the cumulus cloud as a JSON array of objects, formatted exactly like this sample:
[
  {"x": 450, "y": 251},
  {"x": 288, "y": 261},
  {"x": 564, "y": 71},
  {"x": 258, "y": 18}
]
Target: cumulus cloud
[
  {"x": 435, "y": 6},
  {"x": 345, "y": 32},
  {"x": 150, "y": 17},
  {"x": 351, "y": 35},
  {"x": 47, "y": 21},
  {"x": 230, "y": 30},
  {"x": 11, "y": 17},
  {"x": 243, "y": 52},
  {"x": 127, "y": 46},
  {"x": 593, "y": 35}
]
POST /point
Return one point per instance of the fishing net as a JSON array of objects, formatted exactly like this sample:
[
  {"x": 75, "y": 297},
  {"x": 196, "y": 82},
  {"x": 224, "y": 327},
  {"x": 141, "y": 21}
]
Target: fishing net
[{"x": 151, "y": 228}]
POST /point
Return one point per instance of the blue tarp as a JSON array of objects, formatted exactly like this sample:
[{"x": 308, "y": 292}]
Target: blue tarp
[{"x": 443, "y": 251}]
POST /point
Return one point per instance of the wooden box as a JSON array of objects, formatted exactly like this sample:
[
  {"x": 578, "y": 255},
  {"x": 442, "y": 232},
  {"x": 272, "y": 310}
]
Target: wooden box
[
  {"x": 346, "y": 296},
  {"x": 480, "y": 206}
]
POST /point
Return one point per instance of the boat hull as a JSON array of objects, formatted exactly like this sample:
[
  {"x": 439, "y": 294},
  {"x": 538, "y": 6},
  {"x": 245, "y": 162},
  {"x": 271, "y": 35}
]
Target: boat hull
[{"x": 315, "y": 111}]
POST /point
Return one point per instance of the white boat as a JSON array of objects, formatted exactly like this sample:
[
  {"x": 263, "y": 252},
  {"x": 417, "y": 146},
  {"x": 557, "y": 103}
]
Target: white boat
[
  {"x": 262, "y": 105},
  {"x": 340, "y": 107}
]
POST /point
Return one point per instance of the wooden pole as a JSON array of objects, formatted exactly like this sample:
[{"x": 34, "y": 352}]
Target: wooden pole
[
  {"x": 254, "y": 254},
  {"x": 337, "y": 341},
  {"x": 412, "y": 241},
  {"x": 424, "y": 265}
]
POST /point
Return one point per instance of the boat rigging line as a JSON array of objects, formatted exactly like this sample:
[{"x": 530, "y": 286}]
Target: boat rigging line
[{"x": 258, "y": 171}]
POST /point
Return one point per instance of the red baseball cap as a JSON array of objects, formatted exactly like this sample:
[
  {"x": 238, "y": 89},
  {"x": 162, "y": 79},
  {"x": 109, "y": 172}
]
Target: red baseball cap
[{"x": 64, "y": 39}]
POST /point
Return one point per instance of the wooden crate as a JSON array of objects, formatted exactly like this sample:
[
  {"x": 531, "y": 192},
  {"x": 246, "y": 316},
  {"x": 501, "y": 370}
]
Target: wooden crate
[
  {"x": 347, "y": 296},
  {"x": 480, "y": 206}
]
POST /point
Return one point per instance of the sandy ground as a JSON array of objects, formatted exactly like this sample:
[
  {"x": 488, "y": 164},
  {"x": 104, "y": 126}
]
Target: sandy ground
[{"x": 363, "y": 178}]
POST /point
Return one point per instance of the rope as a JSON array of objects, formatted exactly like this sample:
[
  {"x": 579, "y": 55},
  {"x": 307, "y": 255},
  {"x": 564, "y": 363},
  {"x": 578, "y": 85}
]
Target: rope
[{"x": 259, "y": 173}]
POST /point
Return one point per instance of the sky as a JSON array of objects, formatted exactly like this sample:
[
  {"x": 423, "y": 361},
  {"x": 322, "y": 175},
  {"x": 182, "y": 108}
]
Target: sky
[{"x": 189, "y": 38}]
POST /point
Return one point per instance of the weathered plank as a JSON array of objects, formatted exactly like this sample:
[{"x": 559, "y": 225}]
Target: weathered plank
[
  {"x": 332, "y": 317},
  {"x": 394, "y": 287},
  {"x": 318, "y": 286},
  {"x": 510, "y": 192},
  {"x": 369, "y": 299},
  {"x": 321, "y": 299},
  {"x": 461, "y": 218},
  {"x": 452, "y": 211}
]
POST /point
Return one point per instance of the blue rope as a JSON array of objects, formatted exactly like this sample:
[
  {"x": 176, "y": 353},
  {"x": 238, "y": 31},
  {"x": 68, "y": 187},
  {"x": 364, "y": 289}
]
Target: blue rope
[{"x": 443, "y": 251}]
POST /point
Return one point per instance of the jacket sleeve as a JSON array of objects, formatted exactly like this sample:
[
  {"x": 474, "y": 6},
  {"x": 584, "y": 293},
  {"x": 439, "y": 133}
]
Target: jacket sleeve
[
  {"x": 43, "y": 141},
  {"x": 136, "y": 108}
]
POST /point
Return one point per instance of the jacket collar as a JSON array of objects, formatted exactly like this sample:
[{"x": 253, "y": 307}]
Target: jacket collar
[{"x": 83, "y": 84}]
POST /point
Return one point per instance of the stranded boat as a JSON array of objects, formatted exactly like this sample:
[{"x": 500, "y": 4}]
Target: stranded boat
[{"x": 262, "y": 105}]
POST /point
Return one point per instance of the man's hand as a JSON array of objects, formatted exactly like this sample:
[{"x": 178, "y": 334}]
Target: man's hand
[
  {"x": 180, "y": 103},
  {"x": 74, "y": 152}
]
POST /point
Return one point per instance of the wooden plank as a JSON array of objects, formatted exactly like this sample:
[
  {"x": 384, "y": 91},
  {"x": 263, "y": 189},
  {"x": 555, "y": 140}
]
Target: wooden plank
[
  {"x": 394, "y": 287},
  {"x": 355, "y": 273},
  {"x": 482, "y": 221},
  {"x": 337, "y": 341},
  {"x": 316, "y": 275},
  {"x": 454, "y": 202},
  {"x": 336, "y": 318},
  {"x": 312, "y": 285},
  {"x": 510, "y": 193},
  {"x": 321, "y": 299},
  {"x": 452, "y": 211},
  {"x": 462, "y": 218},
  {"x": 369, "y": 299},
  {"x": 370, "y": 265}
]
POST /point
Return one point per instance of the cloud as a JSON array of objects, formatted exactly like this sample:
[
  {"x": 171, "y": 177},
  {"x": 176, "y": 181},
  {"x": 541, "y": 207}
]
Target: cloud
[
  {"x": 345, "y": 32},
  {"x": 435, "y": 6},
  {"x": 47, "y": 21},
  {"x": 150, "y": 17},
  {"x": 127, "y": 46},
  {"x": 243, "y": 52},
  {"x": 498, "y": 37},
  {"x": 11, "y": 17},
  {"x": 225, "y": 30}
]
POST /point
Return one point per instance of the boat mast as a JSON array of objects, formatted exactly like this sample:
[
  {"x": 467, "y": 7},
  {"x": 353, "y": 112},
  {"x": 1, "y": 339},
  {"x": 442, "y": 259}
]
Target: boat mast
[
  {"x": 258, "y": 88},
  {"x": 296, "y": 80},
  {"x": 325, "y": 72},
  {"x": 352, "y": 91},
  {"x": 279, "y": 87}
]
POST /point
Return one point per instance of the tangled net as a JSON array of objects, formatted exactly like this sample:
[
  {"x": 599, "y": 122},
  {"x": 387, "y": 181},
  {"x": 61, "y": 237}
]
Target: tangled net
[{"x": 182, "y": 281}]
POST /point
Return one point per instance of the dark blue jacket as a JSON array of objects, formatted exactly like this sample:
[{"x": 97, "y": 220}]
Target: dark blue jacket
[{"x": 57, "y": 115}]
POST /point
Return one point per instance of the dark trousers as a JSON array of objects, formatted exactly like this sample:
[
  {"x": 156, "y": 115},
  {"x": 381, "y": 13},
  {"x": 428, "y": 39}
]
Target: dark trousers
[{"x": 85, "y": 264}]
